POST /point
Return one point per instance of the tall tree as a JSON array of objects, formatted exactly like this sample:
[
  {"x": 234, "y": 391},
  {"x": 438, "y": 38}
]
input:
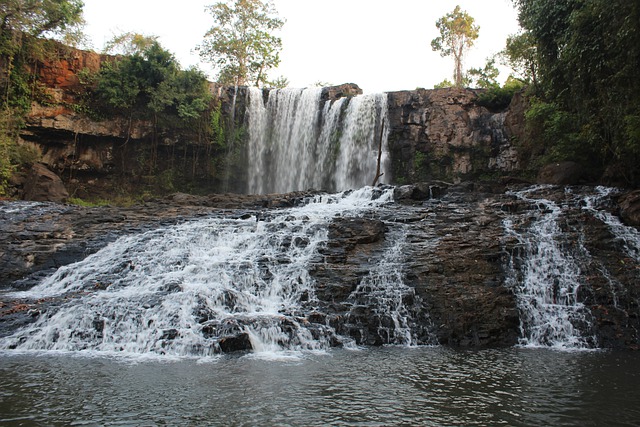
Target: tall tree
[
  {"x": 457, "y": 34},
  {"x": 520, "y": 54},
  {"x": 39, "y": 17},
  {"x": 587, "y": 56},
  {"x": 241, "y": 44}
]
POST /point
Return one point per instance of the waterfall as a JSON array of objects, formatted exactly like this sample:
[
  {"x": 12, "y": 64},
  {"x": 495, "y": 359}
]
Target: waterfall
[
  {"x": 387, "y": 302},
  {"x": 628, "y": 236},
  {"x": 196, "y": 288},
  {"x": 546, "y": 279},
  {"x": 298, "y": 141}
]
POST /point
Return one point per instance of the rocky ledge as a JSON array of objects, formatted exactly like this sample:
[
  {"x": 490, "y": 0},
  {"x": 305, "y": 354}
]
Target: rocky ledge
[{"x": 463, "y": 258}]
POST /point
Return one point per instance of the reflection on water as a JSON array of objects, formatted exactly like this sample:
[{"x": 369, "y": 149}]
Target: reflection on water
[{"x": 371, "y": 387}]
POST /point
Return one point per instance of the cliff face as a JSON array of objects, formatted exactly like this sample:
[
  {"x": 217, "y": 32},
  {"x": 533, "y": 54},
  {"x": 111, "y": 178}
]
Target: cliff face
[
  {"x": 459, "y": 265},
  {"x": 444, "y": 134},
  {"x": 434, "y": 134}
]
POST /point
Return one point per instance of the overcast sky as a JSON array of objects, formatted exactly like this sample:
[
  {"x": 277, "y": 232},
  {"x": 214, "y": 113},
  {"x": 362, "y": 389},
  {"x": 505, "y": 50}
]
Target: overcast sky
[{"x": 381, "y": 45}]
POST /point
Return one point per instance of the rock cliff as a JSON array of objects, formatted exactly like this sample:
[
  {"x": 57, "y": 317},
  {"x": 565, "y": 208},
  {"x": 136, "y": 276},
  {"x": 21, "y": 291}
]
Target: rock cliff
[
  {"x": 434, "y": 134},
  {"x": 444, "y": 134},
  {"x": 464, "y": 253}
]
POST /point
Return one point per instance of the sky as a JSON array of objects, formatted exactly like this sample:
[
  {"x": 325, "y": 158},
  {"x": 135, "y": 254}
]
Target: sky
[{"x": 381, "y": 45}]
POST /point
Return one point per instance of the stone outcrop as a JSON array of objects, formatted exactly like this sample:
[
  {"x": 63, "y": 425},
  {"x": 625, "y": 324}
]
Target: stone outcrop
[
  {"x": 444, "y": 134},
  {"x": 434, "y": 134},
  {"x": 41, "y": 184},
  {"x": 561, "y": 173},
  {"x": 630, "y": 207},
  {"x": 457, "y": 260}
]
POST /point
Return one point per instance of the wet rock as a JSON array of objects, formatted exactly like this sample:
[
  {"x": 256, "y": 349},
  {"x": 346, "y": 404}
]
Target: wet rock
[
  {"x": 240, "y": 342},
  {"x": 630, "y": 207},
  {"x": 43, "y": 185},
  {"x": 562, "y": 173}
]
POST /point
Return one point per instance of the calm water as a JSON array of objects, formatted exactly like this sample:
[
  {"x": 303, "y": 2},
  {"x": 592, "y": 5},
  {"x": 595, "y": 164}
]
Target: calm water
[{"x": 371, "y": 387}]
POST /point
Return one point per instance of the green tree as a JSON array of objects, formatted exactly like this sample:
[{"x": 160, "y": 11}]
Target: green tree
[
  {"x": 520, "y": 54},
  {"x": 241, "y": 45},
  {"x": 457, "y": 35},
  {"x": 486, "y": 77},
  {"x": 40, "y": 17},
  {"x": 443, "y": 84},
  {"x": 587, "y": 55},
  {"x": 150, "y": 84},
  {"x": 129, "y": 43}
]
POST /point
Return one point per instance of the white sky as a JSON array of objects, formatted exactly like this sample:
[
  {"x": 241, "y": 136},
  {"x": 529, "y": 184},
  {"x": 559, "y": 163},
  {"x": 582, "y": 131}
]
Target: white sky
[{"x": 381, "y": 45}]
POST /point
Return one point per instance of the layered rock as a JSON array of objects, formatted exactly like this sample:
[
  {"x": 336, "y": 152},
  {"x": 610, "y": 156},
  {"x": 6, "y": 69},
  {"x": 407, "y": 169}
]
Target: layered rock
[
  {"x": 444, "y": 134},
  {"x": 456, "y": 268}
]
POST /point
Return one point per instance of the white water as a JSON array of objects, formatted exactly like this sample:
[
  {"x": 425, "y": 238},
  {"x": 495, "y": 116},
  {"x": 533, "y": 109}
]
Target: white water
[
  {"x": 297, "y": 141},
  {"x": 628, "y": 236},
  {"x": 547, "y": 280},
  {"x": 383, "y": 294},
  {"x": 181, "y": 290}
]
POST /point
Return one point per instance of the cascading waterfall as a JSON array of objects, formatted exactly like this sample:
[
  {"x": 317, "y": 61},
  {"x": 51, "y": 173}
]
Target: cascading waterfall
[
  {"x": 297, "y": 141},
  {"x": 194, "y": 288},
  {"x": 628, "y": 236},
  {"x": 546, "y": 279},
  {"x": 383, "y": 297}
]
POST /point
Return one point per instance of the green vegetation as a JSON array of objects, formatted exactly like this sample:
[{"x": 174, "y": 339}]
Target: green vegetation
[
  {"x": 241, "y": 45},
  {"x": 497, "y": 98},
  {"x": 582, "y": 59},
  {"x": 22, "y": 24},
  {"x": 457, "y": 34}
]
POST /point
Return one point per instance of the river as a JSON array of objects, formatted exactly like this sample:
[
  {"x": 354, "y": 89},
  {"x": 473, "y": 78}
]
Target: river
[{"x": 428, "y": 386}]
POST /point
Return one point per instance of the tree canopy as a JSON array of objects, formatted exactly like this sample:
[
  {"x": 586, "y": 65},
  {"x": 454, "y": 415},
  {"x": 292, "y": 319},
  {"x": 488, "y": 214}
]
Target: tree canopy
[
  {"x": 38, "y": 17},
  {"x": 241, "y": 44},
  {"x": 151, "y": 83},
  {"x": 457, "y": 34},
  {"x": 584, "y": 57}
]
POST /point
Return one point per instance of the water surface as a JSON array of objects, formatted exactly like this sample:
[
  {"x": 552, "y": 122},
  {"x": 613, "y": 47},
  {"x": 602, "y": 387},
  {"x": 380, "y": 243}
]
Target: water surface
[{"x": 429, "y": 386}]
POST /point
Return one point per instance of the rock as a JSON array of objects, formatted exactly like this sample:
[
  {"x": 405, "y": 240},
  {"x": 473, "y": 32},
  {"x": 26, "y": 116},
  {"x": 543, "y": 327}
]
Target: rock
[
  {"x": 456, "y": 260},
  {"x": 562, "y": 173},
  {"x": 240, "y": 342},
  {"x": 630, "y": 207},
  {"x": 43, "y": 185}
]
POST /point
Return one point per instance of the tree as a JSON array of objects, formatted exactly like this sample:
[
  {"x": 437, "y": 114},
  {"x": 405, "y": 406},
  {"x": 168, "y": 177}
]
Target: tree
[
  {"x": 23, "y": 23},
  {"x": 129, "y": 44},
  {"x": 241, "y": 45},
  {"x": 486, "y": 77},
  {"x": 587, "y": 55},
  {"x": 40, "y": 17},
  {"x": 520, "y": 54},
  {"x": 457, "y": 35},
  {"x": 150, "y": 83}
]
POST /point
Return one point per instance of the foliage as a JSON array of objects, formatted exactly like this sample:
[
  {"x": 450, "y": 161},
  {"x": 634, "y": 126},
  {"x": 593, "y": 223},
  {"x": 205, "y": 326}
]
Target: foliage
[
  {"x": 129, "y": 44},
  {"x": 498, "y": 98},
  {"x": 150, "y": 84},
  {"x": 42, "y": 17},
  {"x": 217, "y": 128},
  {"x": 587, "y": 55},
  {"x": 22, "y": 24},
  {"x": 486, "y": 77},
  {"x": 520, "y": 54},
  {"x": 443, "y": 84},
  {"x": 241, "y": 45},
  {"x": 457, "y": 34},
  {"x": 86, "y": 203},
  {"x": 278, "y": 83}
]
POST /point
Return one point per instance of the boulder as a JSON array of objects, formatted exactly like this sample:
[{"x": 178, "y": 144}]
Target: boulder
[
  {"x": 560, "y": 173},
  {"x": 43, "y": 185},
  {"x": 630, "y": 208}
]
